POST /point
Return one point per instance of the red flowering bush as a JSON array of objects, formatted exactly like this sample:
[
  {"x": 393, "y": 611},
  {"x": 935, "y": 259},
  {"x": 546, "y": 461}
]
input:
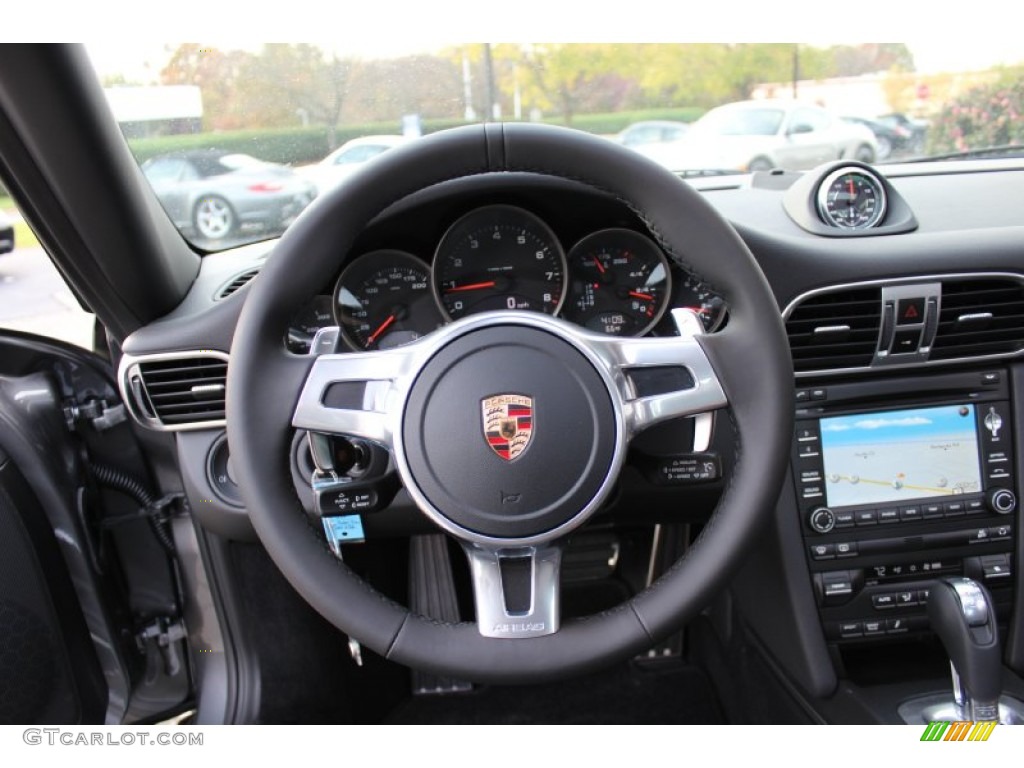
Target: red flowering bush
[{"x": 985, "y": 116}]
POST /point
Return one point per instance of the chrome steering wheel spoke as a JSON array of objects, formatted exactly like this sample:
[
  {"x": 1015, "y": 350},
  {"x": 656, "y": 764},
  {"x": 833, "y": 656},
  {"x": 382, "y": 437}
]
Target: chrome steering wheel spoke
[
  {"x": 516, "y": 590},
  {"x": 355, "y": 394},
  {"x": 663, "y": 378}
]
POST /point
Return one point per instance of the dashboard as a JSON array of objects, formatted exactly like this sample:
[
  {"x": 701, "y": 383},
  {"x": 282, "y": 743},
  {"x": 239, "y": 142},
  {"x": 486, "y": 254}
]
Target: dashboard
[{"x": 964, "y": 220}]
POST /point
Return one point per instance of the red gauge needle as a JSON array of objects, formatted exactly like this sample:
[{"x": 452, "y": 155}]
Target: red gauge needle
[
  {"x": 380, "y": 329},
  {"x": 853, "y": 193},
  {"x": 471, "y": 287},
  {"x": 597, "y": 264},
  {"x": 698, "y": 310},
  {"x": 638, "y": 295}
]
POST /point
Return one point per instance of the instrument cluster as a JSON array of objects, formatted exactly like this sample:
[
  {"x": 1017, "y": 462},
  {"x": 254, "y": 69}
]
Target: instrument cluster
[{"x": 615, "y": 281}]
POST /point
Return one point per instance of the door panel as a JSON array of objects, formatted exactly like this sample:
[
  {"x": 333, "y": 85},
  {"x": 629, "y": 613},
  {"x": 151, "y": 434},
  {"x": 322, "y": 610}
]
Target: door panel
[
  {"x": 49, "y": 672},
  {"x": 86, "y": 585}
]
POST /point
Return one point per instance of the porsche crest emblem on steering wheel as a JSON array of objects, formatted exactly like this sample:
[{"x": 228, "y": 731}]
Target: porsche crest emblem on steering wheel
[{"x": 508, "y": 424}]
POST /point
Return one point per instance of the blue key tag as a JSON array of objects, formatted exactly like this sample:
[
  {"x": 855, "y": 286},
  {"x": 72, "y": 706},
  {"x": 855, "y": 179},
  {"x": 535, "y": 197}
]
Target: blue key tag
[{"x": 343, "y": 529}]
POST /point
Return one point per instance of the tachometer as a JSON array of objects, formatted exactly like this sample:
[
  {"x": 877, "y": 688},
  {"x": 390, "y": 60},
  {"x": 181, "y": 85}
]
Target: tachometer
[
  {"x": 619, "y": 283},
  {"x": 851, "y": 198},
  {"x": 499, "y": 257},
  {"x": 383, "y": 300}
]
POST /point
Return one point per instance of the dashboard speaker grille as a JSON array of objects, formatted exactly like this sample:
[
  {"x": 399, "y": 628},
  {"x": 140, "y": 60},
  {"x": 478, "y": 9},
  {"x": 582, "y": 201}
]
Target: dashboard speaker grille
[
  {"x": 835, "y": 330},
  {"x": 184, "y": 390},
  {"x": 980, "y": 317}
]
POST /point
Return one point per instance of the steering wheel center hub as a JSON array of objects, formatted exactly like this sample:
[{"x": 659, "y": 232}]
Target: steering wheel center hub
[{"x": 509, "y": 433}]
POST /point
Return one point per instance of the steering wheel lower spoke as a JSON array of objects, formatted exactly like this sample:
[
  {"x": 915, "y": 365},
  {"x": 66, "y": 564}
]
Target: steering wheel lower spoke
[{"x": 516, "y": 591}]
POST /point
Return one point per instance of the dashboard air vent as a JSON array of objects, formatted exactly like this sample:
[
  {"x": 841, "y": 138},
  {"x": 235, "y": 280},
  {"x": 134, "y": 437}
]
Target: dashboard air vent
[
  {"x": 835, "y": 330},
  {"x": 980, "y": 317},
  {"x": 237, "y": 282},
  {"x": 179, "y": 392}
]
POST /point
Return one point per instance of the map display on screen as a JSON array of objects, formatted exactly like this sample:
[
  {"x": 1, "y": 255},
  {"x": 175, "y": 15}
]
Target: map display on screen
[{"x": 896, "y": 456}]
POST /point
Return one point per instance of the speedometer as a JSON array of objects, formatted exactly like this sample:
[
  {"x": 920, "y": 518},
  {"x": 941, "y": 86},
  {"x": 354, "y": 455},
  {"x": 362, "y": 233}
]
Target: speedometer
[
  {"x": 499, "y": 257},
  {"x": 383, "y": 300},
  {"x": 851, "y": 198}
]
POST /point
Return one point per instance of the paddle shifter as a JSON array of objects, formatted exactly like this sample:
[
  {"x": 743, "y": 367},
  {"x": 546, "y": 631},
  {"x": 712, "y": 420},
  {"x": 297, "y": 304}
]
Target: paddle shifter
[{"x": 963, "y": 616}]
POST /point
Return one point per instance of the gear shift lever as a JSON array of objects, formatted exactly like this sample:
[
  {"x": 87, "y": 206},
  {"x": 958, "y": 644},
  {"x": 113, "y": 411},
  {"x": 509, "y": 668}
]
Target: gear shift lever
[{"x": 963, "y": 616}]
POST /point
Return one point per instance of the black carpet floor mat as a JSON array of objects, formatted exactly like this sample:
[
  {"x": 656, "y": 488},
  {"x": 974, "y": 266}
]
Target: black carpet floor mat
[{"x": 667, "y": 693}]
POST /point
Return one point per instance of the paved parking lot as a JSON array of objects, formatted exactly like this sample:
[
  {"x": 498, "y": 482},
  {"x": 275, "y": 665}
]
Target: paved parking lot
[{"x": 34, "y": 298}]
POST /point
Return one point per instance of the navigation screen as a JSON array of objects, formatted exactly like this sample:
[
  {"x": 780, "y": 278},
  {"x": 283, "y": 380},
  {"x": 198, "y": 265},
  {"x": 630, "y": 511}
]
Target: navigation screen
[{"x": 895, "y": 456}]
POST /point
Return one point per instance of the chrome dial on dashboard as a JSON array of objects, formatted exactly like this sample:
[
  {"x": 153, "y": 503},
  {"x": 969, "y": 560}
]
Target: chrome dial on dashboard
[
  {"x": 710, "y": 307},
  {"x": 619, "y": 283},
  {"x": 851, "y": 198},
  {"x": 499, "y": 257},
  {"x": 383, "y": 300}
]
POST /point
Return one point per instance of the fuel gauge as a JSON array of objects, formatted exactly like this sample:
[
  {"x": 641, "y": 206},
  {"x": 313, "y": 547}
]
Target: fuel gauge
[{"x": 307, "y": 322}]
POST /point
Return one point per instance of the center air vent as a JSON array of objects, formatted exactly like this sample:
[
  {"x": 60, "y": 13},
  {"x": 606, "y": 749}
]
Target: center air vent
[
  {"x": 980, "y": 317},
  {"x": 236, "y": 282},
  {"x": 180, "y": 391},
  {"x": 835, "y": 330}
]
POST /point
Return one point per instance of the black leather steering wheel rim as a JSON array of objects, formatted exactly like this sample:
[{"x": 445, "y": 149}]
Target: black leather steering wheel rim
[{"x": 750, "y": 356}]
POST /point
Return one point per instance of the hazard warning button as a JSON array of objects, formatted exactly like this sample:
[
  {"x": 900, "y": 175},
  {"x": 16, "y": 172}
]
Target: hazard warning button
[{"x": 910, "y": 311}]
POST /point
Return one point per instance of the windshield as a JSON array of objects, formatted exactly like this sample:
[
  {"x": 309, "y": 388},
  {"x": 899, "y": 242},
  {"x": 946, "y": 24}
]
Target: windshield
[{"x": 238, "y": 139}]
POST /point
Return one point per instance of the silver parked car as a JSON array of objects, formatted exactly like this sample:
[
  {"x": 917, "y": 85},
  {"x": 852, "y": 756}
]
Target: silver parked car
[
  {"x": 214, "y": 193},
  {"x": 651, "y": 132},
  {"x": 349, "y": 158},
  {"x": 657, "y": 139},
  {"x": 766, "y": 134}
]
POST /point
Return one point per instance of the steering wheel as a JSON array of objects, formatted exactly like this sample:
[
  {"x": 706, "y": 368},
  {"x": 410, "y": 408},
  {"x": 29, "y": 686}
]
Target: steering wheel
[{"x": 427, "y": 403}]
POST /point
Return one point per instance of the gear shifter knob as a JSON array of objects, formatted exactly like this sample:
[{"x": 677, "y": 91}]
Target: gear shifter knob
[{"x": 963, "y": 616}]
